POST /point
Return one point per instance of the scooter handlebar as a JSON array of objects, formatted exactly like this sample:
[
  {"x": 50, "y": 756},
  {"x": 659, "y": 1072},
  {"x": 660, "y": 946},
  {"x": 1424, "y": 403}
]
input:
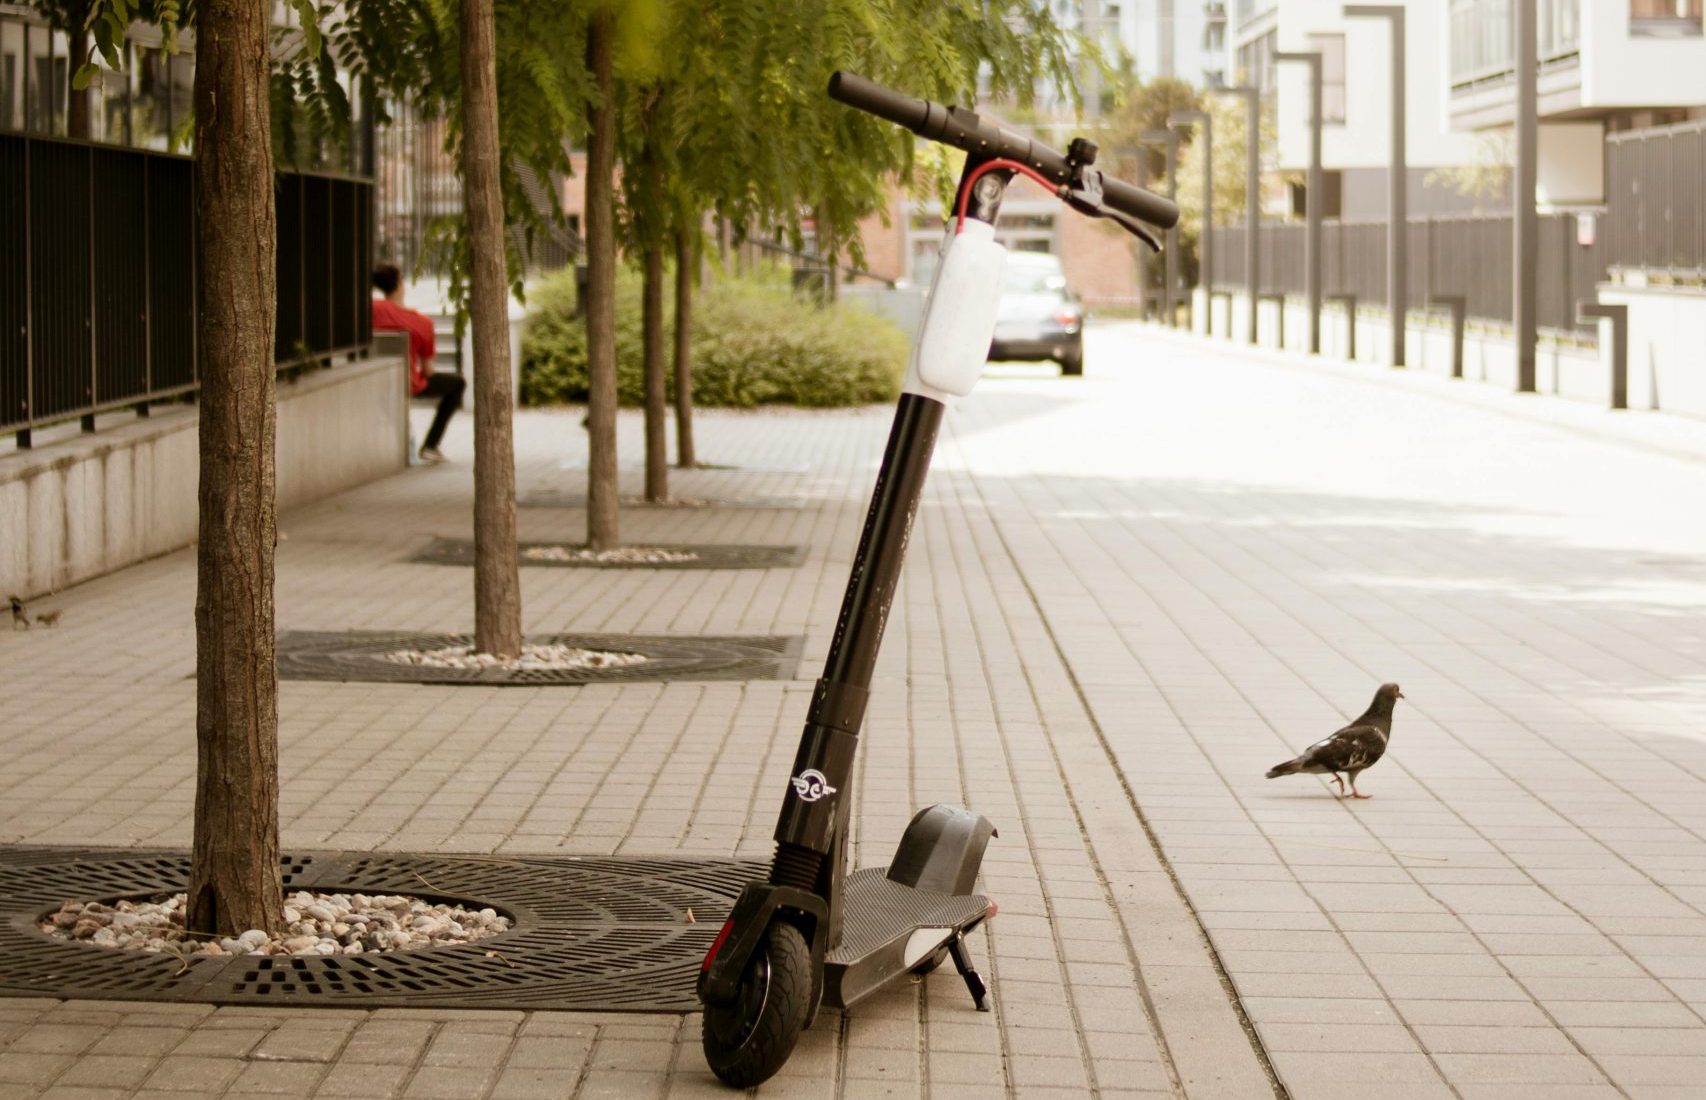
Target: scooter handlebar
[{"x": 963, "y": 129}]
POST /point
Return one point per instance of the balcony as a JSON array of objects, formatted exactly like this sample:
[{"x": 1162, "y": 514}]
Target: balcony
[
  {"x": 1246, "y": 10},
  {"x": 1482, "y": 47}
]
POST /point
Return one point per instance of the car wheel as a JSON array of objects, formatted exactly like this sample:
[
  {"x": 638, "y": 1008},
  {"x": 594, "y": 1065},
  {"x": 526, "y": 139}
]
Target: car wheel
[{"x": 1072, "y": 361}]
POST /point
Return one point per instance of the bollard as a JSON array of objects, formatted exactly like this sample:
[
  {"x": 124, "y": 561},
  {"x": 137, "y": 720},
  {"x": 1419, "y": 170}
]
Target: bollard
[
  {"x": 1279, "y": 316},
  {"x": 1587, "y": 310},
  {"x": 1459, "y": 307},
  {"x": 1350, "y": 303}
]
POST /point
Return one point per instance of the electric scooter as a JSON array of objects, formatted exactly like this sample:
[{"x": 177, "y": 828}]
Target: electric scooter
[{"x": 813, "y": 934}]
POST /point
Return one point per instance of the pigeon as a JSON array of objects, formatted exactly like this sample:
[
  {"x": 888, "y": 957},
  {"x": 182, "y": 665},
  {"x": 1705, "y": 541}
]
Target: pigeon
[
  {"x": 1353, "y": 749},
  {"x": 50, "y": 618},
  {"x": 19, "y": 614}
]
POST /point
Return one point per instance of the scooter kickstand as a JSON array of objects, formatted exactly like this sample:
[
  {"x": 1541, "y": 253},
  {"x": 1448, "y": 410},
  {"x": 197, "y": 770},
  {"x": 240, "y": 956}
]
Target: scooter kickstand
[{"x": 974, "y": 982}]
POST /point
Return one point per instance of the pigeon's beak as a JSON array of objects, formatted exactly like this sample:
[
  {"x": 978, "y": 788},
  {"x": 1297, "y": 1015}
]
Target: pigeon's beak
[{"x": 1400, "y": 695}]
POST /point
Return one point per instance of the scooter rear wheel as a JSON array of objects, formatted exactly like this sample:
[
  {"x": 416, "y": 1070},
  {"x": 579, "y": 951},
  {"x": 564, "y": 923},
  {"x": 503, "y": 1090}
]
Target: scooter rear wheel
[{"x": 747, "y": 1040}]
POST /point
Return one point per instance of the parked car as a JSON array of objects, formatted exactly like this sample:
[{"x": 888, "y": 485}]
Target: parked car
[{"x": 1039, "y": 318}]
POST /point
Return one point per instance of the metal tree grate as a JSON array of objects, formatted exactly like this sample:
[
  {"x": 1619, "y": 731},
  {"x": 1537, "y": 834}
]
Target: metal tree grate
[
  {"x": 560, "y": 498},
  {"x": 705, "y": 556},
  {"x": 358, "y": 656},
  {"x": 596, "y": 934}
]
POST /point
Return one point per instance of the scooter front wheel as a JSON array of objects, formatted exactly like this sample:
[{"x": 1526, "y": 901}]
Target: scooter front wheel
[{"x": 748, "y": 1039}]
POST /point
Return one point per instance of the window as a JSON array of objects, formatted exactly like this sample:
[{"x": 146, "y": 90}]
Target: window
[
  {"x": 1331, "y": 47},
  {"x": 1332, "y": 195},
  {"x": 1256, "y": 62},
  {"x": 1665, "y": 18}
]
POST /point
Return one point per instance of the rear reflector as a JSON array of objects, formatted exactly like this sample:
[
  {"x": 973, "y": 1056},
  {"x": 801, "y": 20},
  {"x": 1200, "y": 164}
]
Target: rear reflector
[{"x": 717, "y": 945}]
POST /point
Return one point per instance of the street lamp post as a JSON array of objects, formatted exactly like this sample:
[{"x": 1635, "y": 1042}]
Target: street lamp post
[
  {"x": 1312, "y": 196},
  {"x": 1398, "y": 201},
  {"x": 1252, "y": 196},
  {"x": 1525, "y": 250},
  {"x": 1205, "y": 122},
  {"x": 1170, "y": 254}
]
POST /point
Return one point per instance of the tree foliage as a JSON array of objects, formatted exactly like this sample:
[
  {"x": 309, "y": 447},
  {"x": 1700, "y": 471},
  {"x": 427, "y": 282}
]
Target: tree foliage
[
  {"x": 1140, "y": 108},
  {"x": 738, "y": 124},
  {"x": 1231, "y": 124}
]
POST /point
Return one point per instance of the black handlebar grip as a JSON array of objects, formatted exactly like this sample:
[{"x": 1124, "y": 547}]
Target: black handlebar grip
[
  {"x": 1146, "y": 206},
  {"x": 942, "y": 124},
  {"x": 869, "y": 96}
]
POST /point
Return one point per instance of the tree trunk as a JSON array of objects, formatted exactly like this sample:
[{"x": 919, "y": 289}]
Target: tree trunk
[
  {"x": 234, "y": 871},
  {"x": 77, "y": 101},
  {"x": 601, "y": 479},
  {"x": 497, "y": 580},
  {"x": 686, "y": 265},
  {"x": 651, "y": 335},
  {"x": 832, "y": 265}
]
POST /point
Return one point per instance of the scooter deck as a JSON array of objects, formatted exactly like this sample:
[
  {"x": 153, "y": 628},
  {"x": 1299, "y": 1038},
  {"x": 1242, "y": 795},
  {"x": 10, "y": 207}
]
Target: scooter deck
[{"x": 887, "y": 929}]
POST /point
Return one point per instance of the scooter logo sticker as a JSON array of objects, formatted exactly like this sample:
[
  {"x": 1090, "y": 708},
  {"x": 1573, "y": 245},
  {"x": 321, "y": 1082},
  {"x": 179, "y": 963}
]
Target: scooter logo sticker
[{"x": 811, "y": 785}]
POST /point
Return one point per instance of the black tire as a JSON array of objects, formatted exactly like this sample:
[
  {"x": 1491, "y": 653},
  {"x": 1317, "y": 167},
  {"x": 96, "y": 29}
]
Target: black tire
[
  {"x": 1072, "y": 363},
  {"x": 748, "y": 1040}
]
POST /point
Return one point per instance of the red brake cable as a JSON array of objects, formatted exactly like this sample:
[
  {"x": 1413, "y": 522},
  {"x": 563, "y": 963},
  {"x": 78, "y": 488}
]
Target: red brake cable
[{"x": 990, "y": 166}]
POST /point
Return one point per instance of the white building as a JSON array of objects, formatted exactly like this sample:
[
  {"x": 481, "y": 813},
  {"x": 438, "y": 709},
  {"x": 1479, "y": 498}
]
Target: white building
[
  {"x": 1605, "y": 66},
  {"x": 1356, "y": 100},
  {"x": 1175, "y": 38}
]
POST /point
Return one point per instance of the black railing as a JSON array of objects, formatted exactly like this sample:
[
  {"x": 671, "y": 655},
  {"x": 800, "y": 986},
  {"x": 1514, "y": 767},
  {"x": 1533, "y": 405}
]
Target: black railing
[
  {"x": 1655, "y": 219},
  {"x": 98, "y": 276},
  {"x": 1466, "y": 256},
  {"x": 419, "y": 189}
]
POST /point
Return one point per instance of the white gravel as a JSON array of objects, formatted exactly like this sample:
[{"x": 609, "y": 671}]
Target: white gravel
[
  {"x": 532, "y": 657},
  {"x": 315, "y": 924},
  {"x": 621, "y": 555}
]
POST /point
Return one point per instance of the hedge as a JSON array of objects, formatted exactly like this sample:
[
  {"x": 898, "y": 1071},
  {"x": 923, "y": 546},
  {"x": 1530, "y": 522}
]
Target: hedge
[{"x": 754, "y": 343}]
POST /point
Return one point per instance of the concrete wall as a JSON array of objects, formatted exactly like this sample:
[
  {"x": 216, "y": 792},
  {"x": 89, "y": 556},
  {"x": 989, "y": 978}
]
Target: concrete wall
[
  {"x": 1574, "y": 372},
  {"x": 1667, "y": 346},
  {"x": 1620, "y": 69},
  {"x": 88, "y": 505}
]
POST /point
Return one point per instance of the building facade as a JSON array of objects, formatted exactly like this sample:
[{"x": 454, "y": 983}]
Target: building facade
[
  {"x": 1605, "y": 66},
  {"x": 1357, "y": 104}
]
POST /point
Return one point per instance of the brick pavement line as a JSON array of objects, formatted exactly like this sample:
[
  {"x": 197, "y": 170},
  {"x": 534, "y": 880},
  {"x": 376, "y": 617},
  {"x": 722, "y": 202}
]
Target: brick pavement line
[
  {"x": 1604, "y": 728},
  {"x": 1204, "y": 941},
  {"x": 1337, "y": 648},
  {"x": 1545, "y": 888},
  {"x": 572, "y": 827},
  {"x": 419, "y": 1060},
  {"x": 1373, "y": 596},
  {"x": 911, "y": 582},
  {"x": 956, "y": 536},
  {"x": 1184, "y": 725},
  {"x": 1557, "y": 614},
  {"x": 1027, "y": 830}
]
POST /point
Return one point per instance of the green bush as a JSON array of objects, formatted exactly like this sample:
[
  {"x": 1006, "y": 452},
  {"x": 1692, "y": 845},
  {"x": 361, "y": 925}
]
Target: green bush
[{"x": 754, "y": 343}]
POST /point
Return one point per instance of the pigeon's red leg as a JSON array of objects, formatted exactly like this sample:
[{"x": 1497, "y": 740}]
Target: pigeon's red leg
[
  {"x": 1341, "y": 783},
  {"x": 1354, "y": 792}
]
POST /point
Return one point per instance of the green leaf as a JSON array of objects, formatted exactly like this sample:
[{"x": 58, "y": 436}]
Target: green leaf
[
  {"x": 86, "y": 72},
  {"x": 310, "y": 16}
]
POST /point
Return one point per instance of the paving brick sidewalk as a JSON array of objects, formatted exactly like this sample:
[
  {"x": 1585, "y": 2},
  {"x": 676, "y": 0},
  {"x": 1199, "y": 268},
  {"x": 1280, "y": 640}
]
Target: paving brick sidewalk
[{"x": 1128, "y": 596}]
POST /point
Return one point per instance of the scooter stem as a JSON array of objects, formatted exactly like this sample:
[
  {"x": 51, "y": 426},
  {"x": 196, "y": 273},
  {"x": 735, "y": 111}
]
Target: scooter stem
[{"x": 813, "y": 816}]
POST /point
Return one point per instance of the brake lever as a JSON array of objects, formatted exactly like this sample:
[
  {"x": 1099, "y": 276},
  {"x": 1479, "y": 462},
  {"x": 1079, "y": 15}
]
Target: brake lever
[
  {"x": 1134, "y": 227},
  {"x": 1086, "y": 198}
]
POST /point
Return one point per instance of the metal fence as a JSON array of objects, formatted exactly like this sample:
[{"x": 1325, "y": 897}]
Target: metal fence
[
  {"x": 98, "y": 279},
  {"x": 1655, "y": 183},
  {"x": 1654, "y": 222},
  {"x": 419, "y": 196},
  {"x": 1465, "y": 256}
]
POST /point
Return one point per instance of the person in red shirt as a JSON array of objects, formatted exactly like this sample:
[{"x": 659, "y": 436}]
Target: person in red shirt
[{"x": 391, "y": 315}]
